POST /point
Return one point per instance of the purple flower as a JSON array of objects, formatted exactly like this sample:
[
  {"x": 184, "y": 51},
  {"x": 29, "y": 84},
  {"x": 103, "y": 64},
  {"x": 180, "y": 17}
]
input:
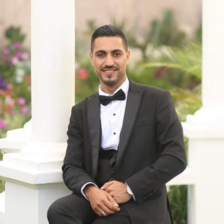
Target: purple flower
[
  {"x": 2, "y": 124},
  {"x": 6, "y": 51},
  {"x": 17, "y": 45},
  {"x": 21, "y": 101},
  {"x": 24, "y": 110},
  {"x": 3, "y": 85}
]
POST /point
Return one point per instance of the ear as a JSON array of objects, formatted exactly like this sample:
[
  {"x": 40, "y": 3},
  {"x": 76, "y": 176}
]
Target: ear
[
  {"x": 128, "y": 56},
  {"x": 91, "y": 57}
]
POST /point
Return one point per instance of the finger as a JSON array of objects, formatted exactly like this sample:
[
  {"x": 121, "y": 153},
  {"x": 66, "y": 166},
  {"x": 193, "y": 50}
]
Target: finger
[
  {"x": 100, "y": 213},
  {"x": 106, "y": 185},
  {"x": 106, "y": 211},
  {"x": 104, "y": 206},
  {"x": 112, "y": 200}
]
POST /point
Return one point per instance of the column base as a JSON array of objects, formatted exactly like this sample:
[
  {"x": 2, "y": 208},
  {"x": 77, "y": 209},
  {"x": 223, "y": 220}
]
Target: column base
[
  {"x": 36, "y": 163},
  {"x": 28, "y": 204},
  {"x": 33, "y": 182}
]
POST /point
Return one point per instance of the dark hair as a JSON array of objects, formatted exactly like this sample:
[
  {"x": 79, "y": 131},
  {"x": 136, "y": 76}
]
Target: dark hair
[{"x": 108, "y": 31}]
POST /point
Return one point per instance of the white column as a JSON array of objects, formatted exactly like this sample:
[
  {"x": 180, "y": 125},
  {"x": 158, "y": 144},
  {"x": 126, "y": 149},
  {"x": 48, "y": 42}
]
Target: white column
[
  {"x": 53, "y": 57},
  {"x": 33, "y": 176},
  {"x": 205, "y": 129}
]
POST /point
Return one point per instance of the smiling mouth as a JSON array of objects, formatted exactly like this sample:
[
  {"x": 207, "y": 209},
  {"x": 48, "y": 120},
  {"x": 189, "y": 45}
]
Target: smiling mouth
[{"x": 109, "y": 71}]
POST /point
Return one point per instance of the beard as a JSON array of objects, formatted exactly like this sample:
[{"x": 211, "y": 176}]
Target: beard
[{"x": 109, "y": 82}]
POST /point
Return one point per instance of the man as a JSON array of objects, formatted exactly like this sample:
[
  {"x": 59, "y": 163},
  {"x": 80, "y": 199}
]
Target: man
[{"x": 124, "y": 144}]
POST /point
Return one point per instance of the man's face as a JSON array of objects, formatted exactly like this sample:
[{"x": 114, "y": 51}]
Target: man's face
[{"x": 109, "y": 59}]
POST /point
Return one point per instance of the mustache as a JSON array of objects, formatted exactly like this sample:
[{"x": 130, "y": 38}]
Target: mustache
[{"x": 109, "y": 67}]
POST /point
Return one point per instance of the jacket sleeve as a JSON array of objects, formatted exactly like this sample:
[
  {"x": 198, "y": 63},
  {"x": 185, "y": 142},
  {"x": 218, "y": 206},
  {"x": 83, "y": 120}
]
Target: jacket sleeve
[
  {"x": 172, "y": 157},
  {"x": 74, "y": 173}
]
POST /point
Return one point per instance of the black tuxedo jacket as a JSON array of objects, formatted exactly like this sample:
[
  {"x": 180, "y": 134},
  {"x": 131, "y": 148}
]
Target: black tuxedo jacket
[{"x": 151, "y": 150}]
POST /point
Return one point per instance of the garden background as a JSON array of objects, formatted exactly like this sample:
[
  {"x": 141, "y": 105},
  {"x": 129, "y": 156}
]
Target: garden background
[{"x": 165, "y": 53}]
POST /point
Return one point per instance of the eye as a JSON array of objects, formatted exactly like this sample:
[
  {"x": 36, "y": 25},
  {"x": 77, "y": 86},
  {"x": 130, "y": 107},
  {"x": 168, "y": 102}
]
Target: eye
[
  {"x": 100, "y": 55},
  {"x": 117, "y": 54}
]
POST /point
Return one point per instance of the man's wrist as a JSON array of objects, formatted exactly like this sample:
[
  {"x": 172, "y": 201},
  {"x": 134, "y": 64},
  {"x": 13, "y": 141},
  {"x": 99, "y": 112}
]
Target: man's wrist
[
  {"x": 89, "y": 189},
  {"x": 129, "y": 191}
]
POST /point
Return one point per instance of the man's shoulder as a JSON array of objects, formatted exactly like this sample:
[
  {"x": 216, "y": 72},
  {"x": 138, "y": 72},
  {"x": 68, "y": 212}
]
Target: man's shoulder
[
  {"x": 147, "y": 88},
  {"x": 81, "y": 105}
]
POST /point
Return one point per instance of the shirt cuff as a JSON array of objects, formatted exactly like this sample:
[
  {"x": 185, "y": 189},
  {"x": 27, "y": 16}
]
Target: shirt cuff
[
  {"x": 88, "y": 183},
  {"x": 129, "y": 190}
]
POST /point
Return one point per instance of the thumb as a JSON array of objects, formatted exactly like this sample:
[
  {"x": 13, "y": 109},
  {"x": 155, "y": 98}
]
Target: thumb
[{"x": 106, "y": 185}]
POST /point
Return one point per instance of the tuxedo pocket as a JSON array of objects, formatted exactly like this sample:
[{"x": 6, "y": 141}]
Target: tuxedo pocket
[{"x": 142, "y": 121}]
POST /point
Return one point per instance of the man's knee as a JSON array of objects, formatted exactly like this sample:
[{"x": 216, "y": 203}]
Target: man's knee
[
  {"x": 53, "y": 212},
  {"x": 69, "y": 210}
]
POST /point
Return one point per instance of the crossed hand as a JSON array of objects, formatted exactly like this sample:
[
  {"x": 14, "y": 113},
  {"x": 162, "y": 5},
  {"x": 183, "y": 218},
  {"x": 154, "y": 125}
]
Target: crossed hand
[{"x": 105, "y": 201}]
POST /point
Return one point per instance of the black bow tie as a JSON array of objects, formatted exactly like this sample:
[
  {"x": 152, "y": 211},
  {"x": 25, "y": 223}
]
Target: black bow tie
[{"x": 107, "y": 99}]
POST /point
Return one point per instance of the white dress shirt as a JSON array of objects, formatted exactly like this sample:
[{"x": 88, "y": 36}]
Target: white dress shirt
[{"x": 112, "y": 116}]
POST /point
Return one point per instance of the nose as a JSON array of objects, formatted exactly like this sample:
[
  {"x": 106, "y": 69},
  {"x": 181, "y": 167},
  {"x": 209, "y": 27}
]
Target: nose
[{"x": 109, "y": 61}]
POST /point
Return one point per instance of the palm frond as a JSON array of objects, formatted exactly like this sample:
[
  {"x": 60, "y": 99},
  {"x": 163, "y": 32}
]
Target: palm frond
[{"x": 187, "y": 58}]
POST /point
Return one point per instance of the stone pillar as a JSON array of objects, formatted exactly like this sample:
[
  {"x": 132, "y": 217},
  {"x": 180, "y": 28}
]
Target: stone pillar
[
  {"x": 33, "y": 176},
  {"x": 205, "y": 129}
]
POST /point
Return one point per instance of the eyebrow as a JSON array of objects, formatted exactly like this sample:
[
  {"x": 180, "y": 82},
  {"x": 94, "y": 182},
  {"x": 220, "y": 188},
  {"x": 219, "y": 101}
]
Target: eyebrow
[{"x": 102, "y": 51}]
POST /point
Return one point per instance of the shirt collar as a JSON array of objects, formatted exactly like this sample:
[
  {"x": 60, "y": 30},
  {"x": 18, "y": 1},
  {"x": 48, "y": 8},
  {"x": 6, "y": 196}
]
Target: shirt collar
[{"x": 124, "y": 87}]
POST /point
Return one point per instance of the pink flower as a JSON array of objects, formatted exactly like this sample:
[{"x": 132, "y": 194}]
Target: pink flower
[
  {"x": 25, "y": 56},
  {"x": 15, "y": 60},
  {"x": 13, "y": 113},
  {"x": 6, "y": 51},
  {"x": 24, "y": 110},
  {"x": 82, "y": 74},
  {"x": 2, "y": 124},
  {"x": 9, "y": 86},
  {"x": 19, "y": 55},
  {"x": 17, "y": 45},
  {"x": 21, "y": 101},
  {"x": 9, "y": 102}
]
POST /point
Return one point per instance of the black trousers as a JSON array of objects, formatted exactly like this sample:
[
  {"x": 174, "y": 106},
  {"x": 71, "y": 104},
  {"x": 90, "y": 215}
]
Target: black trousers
[{"x": 75, "y": 209}]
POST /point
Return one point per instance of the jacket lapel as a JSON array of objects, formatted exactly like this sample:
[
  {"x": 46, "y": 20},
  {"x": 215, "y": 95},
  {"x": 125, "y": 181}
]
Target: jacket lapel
[
  {"x": 132, "y": 106},
  {"x": 93, "y": 116}
]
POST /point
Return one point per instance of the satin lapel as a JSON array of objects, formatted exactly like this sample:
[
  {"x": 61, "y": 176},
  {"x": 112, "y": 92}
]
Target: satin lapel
[
  {"x": 131, "y": 111},
  {"x": 93, "y": 116}
]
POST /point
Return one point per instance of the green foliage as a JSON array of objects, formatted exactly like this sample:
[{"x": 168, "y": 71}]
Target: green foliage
[
  {"x": 187, "y": 59},
  {"x": 166, "y": 31},
  {"x": 14, "y": 34},
  {"x": 87, "y": 81},
  {"x": 15, "y": 85},
  {"x": 198, "y": 34},
  {"x": 186, "y": 101},
  {"x": 160, "y": 32},
  {"x": 2, "y": 185},
  {"x": 178, "y": 202},
  {"x": 91, "y": 26}
]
